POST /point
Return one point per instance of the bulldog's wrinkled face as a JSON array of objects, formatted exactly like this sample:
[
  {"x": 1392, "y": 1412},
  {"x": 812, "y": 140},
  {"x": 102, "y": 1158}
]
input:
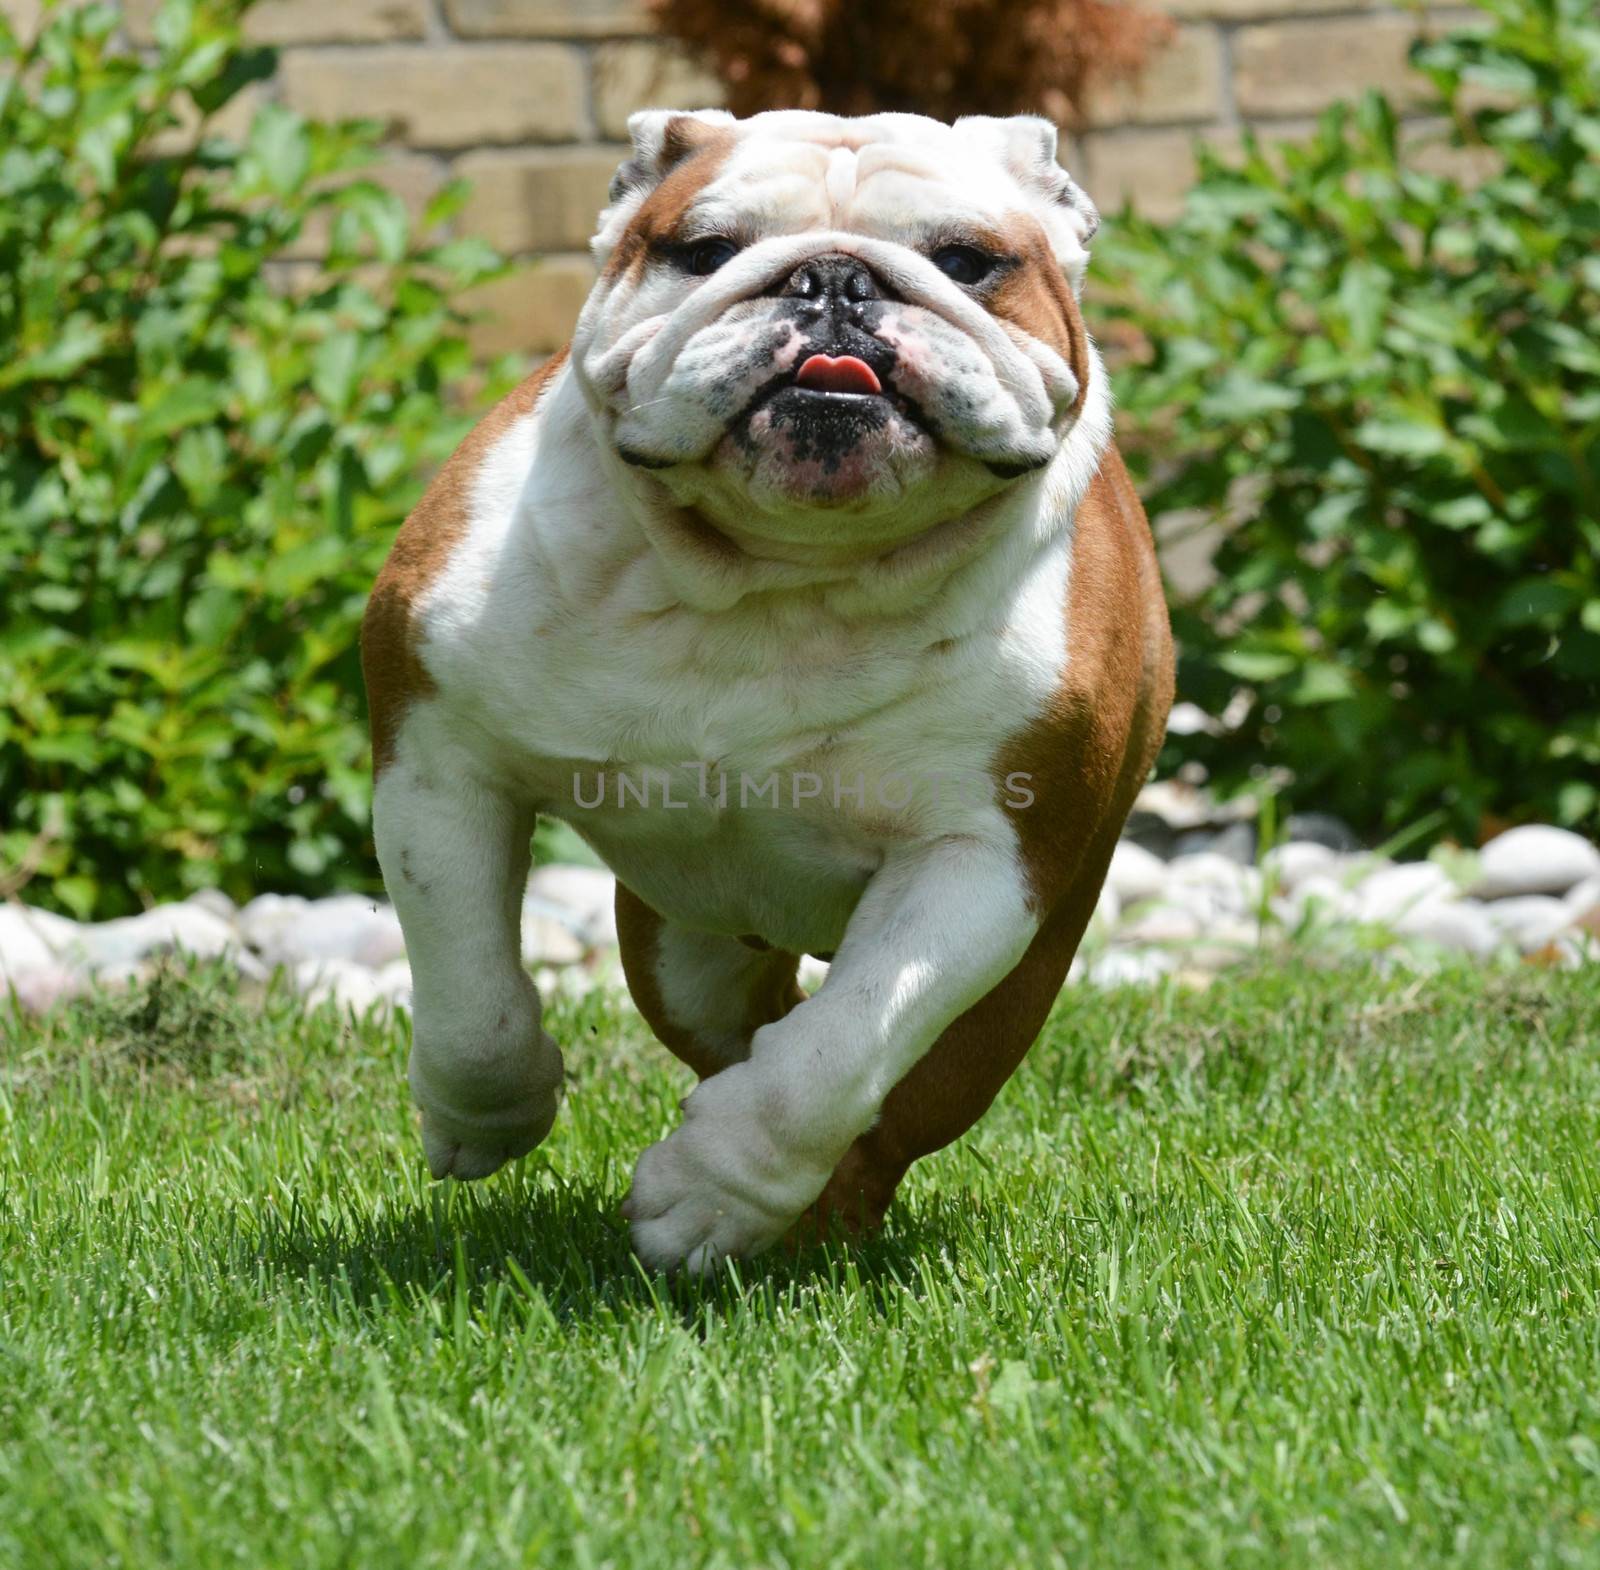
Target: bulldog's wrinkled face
[{"x": 808, "y": 326}]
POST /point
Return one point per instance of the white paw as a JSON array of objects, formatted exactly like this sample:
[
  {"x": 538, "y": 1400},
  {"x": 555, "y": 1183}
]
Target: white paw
[
  {"x": 480, "y": 1111},
  {"x": 725, "y": 1182}
]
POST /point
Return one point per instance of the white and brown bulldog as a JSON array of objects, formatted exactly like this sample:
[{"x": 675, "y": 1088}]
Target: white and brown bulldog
[{"x": 810, "y": 589}]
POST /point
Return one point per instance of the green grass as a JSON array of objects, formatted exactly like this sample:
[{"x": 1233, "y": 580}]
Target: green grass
[{"x": 1301, "y": 1271}]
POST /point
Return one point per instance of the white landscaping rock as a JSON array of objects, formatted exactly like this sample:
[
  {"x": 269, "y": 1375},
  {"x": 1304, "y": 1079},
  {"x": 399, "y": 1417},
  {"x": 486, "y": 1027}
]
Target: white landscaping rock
[
  {"x": 285, "y": 929},
  {"x": 1458, "y": 924},
  {"x": 394, "y": 984},
  {"x": 23, "y": 946},
  {"x": 1290, "y": 864},
  {"x": 216, "y": 902},
  {"x": 546, "y": 941},
  {"x": 42, "y": 986},
  {"x": 1319, "y": 898},
  {"x": 1584, "y": 899},
  {"x": 1395, "y": 891},
  {"x": 1212, "y": 885},
  {"x": 1529, "y": 920},
  {"x": 1123, "y": 967},
  {"x": 1535, "y": 859},
  {"x": 1135, "y": 873},
  {"x": 129, "y": 940},
  {"x": 589, "y": 894},
  {"x": 342, "y": 982},
  {"x": 812, "y": 973},
  {"x": 1107, "y": 909},
  {"x": 1161, "y": 923}
]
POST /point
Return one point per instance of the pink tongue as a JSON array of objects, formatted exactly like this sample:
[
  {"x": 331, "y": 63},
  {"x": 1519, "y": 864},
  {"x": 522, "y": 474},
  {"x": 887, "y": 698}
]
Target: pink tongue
[{"x": 846, "y": 374}]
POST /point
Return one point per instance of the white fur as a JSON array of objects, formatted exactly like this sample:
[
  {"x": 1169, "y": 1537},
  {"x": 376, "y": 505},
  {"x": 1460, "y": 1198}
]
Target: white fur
[{"x": 578, "y": 626}]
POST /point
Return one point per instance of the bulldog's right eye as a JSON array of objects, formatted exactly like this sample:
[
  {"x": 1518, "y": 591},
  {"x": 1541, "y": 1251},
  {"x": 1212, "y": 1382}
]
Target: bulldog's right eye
[
  {"x": 964, "y": 264},
  {"x": 706, "y": 256}
]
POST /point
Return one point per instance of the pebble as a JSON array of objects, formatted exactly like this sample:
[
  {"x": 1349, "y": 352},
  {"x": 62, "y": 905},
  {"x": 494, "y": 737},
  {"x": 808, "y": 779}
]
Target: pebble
[
  {"x": 23, "y": 947},
  {"x": 1584, "y": 900},
  {"x": 1393, "y": 892},
  {"x": 164, "y": 929},
  {"x": 1290, "y": 864},
  {"x": 286, "y": 929},
  {"x": 1451, "y": 924},
  {"x": 546, "y": 941},
  {"x": 589, "y": 893},
  {"x": 1190, "y": 918},
  {"x": 1124, "y": 967},
  {"x": 1536, "y": 858},
  {"x": 1161, "y": 924},
  {"x": 342, "y": 982},
  {"x": 1529, "y": 920},
  {"x": 1135, "y": 873}
]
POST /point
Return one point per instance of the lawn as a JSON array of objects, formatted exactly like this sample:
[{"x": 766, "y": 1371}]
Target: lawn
[{"x": 1304, "y": 1270}]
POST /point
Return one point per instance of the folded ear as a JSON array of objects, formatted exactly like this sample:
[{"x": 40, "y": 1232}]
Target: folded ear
[
  {"x": 1026, "y": 144},
  {"x": 663, "y": 138}
]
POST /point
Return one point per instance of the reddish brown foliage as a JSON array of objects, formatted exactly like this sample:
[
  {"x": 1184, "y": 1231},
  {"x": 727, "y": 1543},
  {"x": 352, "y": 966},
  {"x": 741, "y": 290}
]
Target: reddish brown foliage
[{"x": 934, "y": 57}]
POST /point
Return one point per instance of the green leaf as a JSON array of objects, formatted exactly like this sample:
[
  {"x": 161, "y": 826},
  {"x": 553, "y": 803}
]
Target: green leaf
[
  {"x": 1401, "y": 435},
  {"x": 280, "y": 148},
  {"x": 1257, "y": 664}
]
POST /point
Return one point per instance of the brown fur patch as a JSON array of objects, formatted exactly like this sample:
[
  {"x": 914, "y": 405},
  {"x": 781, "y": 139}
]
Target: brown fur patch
[
  {"x": 1089, "y": 752},
  {"x": 661, "y": 214},
  {"x": 1086, "y": 758},
  {"x": 1036, "y": 298},
  {"x": 390, "y": 661}
]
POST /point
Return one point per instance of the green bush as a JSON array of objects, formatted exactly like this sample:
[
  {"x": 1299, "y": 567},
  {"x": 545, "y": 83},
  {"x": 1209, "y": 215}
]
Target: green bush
[
  {"x": 201, "y": 466},
  {"x": 1386, "y": 379}
]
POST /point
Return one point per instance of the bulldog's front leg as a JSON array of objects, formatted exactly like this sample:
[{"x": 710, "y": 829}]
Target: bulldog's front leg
[
  {"x": 455, "y": 859},
  {"x": 937, "y": 927}
]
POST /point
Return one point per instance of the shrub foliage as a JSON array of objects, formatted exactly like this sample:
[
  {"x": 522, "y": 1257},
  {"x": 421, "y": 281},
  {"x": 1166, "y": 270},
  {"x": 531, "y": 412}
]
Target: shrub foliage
[
  {"x": 1377, "y": 363},
  {"x": 201, "y": 465}
]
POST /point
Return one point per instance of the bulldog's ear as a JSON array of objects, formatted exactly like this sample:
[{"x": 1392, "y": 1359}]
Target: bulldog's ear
[
  {"x": 662, "y": 139},
  {"x": 1026, "y": 144}
]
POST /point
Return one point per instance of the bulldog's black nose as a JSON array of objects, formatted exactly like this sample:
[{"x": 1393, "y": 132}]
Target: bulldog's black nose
[{"x": 833, "y": 281}]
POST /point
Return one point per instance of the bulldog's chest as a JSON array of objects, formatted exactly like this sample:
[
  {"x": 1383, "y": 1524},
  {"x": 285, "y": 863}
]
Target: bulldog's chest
[
  {"x": 758, "y": 798},
  {"x": 746, "y": 777}
]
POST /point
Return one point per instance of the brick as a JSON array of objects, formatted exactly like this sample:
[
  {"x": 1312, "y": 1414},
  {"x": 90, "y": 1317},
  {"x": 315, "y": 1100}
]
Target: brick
[
  {"x": 1182, "y": 82},
  {"x": 537, "y": 200},
  {"x": 231, "y": 121},
  {"x": 336, "y": 21},
  {"x": 647, "y": 75},
  {"x": 534, "y": 310},
  {"x": 1426, "y": 144},
  {"x": 547, "y": 18},
  {"x": 449, "y": 95},
  {"x": 309, "y": 21},
  {"x": 1150, "y": 169},
  {"x": 23, "y": 15},
  {"x": 1154, "y": 169},
  {"x": 414, "y": 179},
  {"x": 1301, "y": 67},
  {"x": 1257, "y": 10}
]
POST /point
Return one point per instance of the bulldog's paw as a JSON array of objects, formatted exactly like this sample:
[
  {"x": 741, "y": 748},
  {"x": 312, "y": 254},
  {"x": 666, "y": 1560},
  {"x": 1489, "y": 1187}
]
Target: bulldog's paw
[
  {"x": 479, "y": 1112},
  {"x": 725, "y": 1183}
]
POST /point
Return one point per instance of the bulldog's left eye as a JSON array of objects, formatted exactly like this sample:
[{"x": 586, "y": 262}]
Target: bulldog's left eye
[
  {"x": 963, "y": 263},
  {"x": 706, "y": 256}
]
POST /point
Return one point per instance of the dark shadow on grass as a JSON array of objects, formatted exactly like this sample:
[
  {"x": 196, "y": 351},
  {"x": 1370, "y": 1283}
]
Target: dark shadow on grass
[{"x": 561, "y": 1252}]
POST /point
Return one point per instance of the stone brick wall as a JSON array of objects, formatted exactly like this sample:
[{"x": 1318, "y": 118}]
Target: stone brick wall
[{"x": 529, "y": 99}]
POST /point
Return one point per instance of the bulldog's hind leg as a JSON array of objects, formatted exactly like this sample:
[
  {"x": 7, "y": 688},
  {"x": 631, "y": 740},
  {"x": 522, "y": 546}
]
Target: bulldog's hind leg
[
  {"x": 455, "y": 858},
  {"x": 949, "y": 1089},
  {"x": 703, "y": 995}
]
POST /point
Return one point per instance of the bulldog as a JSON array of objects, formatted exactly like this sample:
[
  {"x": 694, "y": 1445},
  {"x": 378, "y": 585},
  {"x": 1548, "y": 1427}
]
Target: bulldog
[{"x": 808, "y": 586}]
